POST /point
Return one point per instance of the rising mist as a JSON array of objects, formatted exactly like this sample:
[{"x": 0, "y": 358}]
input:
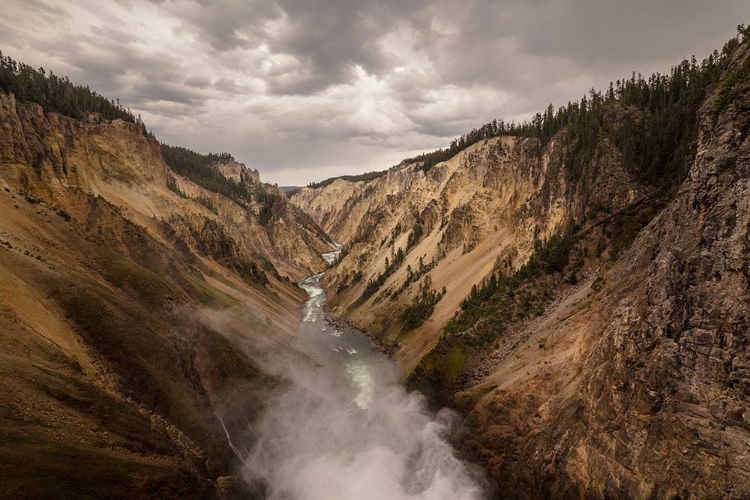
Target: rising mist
[
  {"x": 348, "y": 430},
  {"x": 315, "y": 441}
]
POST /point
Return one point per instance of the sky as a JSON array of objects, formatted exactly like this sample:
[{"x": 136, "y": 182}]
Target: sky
[{"x": 303, "y": 90}]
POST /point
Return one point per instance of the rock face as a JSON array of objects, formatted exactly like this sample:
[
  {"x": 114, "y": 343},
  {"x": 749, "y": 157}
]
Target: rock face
[
  {"x": 640, "y": 390},
  {"x": 329, "y": 207},
  {"x": 130, "y": 315},
  {"x": 633, "y": 383},
  {"x": 665, "y": 390},
  {"x": 478, "y": 212},
  {"x": 49, "y": 154}
]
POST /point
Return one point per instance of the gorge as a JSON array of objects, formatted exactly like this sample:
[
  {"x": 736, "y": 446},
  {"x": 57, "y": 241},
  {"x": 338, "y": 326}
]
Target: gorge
[{"x": 556, "y": 309}]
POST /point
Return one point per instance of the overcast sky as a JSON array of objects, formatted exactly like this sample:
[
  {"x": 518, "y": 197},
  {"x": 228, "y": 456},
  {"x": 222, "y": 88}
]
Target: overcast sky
[{"x": 306, "y": 89}]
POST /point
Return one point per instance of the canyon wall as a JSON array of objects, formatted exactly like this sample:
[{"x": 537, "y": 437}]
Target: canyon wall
[
  {"x": 478, "y": 213},
  {"x": 135, "y": 305}
]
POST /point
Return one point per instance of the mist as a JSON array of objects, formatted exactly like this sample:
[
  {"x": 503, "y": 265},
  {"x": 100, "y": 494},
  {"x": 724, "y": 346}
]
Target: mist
[
  {"x": 346, "y": 429},
  {"x": 319, "y": 441}
]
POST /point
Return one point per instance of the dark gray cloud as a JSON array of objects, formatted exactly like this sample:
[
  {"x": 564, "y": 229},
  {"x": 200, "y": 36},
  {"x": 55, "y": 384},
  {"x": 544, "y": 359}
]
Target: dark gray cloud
[
  {"x": 198, "y": 81},
  {"x": 605, "y": 32},
  {"x": 321, "y": 42},
  {"x": 329, "y": 39},
  {"x": 303, "y": 89},
  {"x": 222, "y": 25}
]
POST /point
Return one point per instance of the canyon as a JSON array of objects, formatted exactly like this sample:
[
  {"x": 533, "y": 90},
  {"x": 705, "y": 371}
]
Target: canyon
[{"x": 586, "y": 318}]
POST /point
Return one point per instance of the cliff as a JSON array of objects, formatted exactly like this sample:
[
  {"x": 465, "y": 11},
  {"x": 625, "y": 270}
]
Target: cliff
[
  {"x": 637, "y": 387},
  {"x": 134, "y": 306}
]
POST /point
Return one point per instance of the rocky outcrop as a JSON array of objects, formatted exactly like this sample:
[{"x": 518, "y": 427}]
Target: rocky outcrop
[
  {"x": 238, "y": 172},
  {"x": 670, "y": 375},
  {"x": 327, "y": 206}
]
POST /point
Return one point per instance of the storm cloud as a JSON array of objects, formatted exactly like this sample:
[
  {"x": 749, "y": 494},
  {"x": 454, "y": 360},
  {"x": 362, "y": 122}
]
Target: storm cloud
[{"x": 303, "y": 90}]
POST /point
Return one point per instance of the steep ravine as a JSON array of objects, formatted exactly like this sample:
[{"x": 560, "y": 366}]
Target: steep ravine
[{"x": 151, "y": 327}]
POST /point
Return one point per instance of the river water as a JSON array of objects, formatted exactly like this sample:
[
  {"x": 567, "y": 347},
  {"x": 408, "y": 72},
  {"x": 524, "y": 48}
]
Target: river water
[
  {"x": 346, "y": 353},
  {"x": 348, "y": 430}
]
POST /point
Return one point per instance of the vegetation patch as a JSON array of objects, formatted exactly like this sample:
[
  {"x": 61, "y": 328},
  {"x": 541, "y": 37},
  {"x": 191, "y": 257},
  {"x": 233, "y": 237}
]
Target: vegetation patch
[
  {"x": 413, "y": 276},
  {"x": 34, "y": 469},
  {"x": 735, "y": 85},
  {"x": 172, "y": 186},
  {"x": 206, "y": 294},
  {"x": 56, "y": 93},
  {"x": 504, "y": 299},
  {"x": 415, "y": 235},
  {"x": 142, "y": 346},
  {"x": 390, "y": 267},
  {"x": 491, "y": 308},
  {"x": 137, "y": 280},
  {"x": 455, "y": 363},
  {"x": 202, "y": 170},
  {"x": 423, "y": 304},
  {"x": 207, "y": 202}
]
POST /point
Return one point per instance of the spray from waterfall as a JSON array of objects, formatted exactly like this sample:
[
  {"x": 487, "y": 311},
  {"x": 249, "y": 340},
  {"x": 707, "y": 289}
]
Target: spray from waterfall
[{"x": 347, "y": 429}]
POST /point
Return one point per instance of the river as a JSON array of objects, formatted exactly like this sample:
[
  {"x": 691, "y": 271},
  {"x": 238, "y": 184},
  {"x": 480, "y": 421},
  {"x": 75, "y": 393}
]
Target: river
[
  {"x": 347, "y": 353},
  {"x": 348, "y": 430}
]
